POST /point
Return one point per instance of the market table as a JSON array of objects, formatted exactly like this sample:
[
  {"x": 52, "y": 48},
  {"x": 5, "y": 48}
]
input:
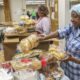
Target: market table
[{"x": 11, "y": 40}]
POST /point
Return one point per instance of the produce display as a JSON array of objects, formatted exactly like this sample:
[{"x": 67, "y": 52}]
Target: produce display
[
  {"x": 46, "y": 62},
  {"x": 31, "y": 54},
  {"x": 26, "y": 64},
  {"x": 29, "y": 43},
  {"x": 20, "y": 29},
  {"x": 26, "y": 20},
  {"x": 57, "y": 53}
]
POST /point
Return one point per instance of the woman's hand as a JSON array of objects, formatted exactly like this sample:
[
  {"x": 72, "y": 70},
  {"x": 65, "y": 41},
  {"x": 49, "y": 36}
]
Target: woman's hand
[
  {"x": 70, "y": 58},
  {"x": 73, "y": 59},
  {"x": 41, "y": 37}
]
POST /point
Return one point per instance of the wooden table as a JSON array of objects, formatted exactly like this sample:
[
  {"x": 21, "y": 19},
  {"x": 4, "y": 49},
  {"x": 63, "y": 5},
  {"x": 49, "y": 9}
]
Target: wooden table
[
  {"x": 9, "y": 46},
  {"x": 16, "y": 35}
]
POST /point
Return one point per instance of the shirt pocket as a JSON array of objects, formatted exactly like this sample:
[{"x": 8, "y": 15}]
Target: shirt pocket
[
  {"x": 78, "y": 45},
  {"x": 74, "y": 47}
]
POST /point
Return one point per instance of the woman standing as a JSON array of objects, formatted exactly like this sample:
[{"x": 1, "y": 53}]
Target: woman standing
[
  {"x": 43, "y": 25},
  {"x": 71, "y": 33}
]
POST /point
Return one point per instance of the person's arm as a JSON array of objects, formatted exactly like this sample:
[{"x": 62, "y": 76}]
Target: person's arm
[
  {"x": 60, "y": 33},
  {"x": 52, "y": 35},
  {"x": 76, "y": 60},
  {"x": 73, "y": 59}
]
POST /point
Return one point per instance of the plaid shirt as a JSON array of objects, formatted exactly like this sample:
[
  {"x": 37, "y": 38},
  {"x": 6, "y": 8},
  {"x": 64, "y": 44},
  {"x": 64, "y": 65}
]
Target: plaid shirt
[{"x": 72, "y": 35}]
